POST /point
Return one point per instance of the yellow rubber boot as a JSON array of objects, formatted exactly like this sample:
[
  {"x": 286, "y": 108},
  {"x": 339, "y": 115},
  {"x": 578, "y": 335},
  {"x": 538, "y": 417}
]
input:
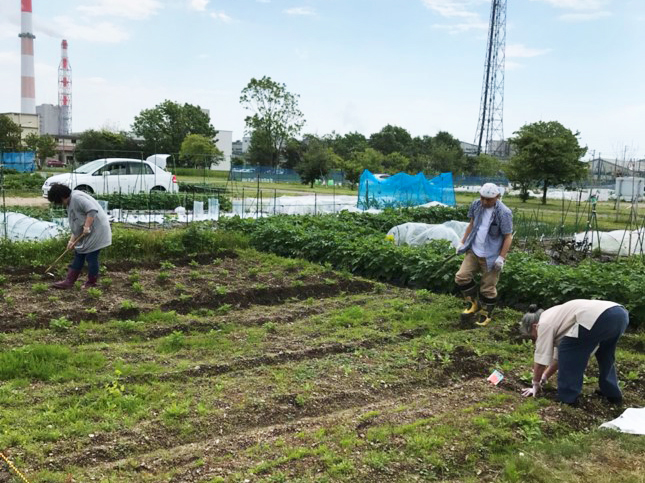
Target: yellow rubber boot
[
  {"x": 473, "y": 306},
  {"x": 483, "y": 318}
]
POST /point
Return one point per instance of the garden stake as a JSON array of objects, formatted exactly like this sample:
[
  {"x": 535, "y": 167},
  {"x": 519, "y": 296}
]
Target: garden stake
[
  {"x": 47, "y": 272},
  {"x": 16, "y": 470}
]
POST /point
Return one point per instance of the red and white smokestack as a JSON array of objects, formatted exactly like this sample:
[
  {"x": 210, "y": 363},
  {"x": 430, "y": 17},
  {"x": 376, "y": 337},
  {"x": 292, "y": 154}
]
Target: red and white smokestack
[
  {"x": 28, "y": 82},
  {"x": 64, "y": 91}
]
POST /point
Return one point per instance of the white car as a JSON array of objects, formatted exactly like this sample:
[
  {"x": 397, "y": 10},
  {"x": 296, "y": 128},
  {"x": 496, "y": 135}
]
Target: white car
[{"x": 118, "y": 175}]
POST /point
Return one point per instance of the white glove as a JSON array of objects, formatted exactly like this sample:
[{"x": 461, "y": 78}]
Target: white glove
[
  {"x": 86, "y": 229},
  {"x": 499, "y": 263},
  {"x": 460, "y": 247},
  {"x": 532, "y": 391}
]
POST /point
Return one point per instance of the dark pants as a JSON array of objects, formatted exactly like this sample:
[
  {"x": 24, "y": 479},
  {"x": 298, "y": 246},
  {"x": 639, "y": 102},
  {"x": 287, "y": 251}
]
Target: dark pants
[
  {"x": 574, "y": 353},
  {"x": 92, "y": 262}
]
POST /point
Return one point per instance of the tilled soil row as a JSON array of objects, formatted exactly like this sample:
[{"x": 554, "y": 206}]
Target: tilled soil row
[
  {"x": 26, "y": 274},
  {"x": 211, "y": 370},
  {"x": 149, "y": 437},
  {"x": 16, "y": 321},
  {"x": 222, "y": 455}
]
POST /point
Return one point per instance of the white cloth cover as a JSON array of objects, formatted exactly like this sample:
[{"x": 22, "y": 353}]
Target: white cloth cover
[
  {"x": 416, "y": 234},
  {"x": 631, "y": 421}
]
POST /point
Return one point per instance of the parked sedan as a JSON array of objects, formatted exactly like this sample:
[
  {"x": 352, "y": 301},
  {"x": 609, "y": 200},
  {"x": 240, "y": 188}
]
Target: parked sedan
[
  {"x": 118, "y": 175},
  {"x": 54, "y": 163}
]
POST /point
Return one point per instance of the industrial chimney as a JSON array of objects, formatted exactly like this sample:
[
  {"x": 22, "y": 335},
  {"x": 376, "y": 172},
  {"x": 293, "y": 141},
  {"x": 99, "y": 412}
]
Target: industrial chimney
[
  {"x": 64, "y": 91},
  {"x": 28, "y": 84}
]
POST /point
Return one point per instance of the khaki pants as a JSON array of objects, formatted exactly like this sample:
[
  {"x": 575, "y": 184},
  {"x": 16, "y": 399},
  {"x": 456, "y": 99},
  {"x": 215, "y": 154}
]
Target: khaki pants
[{"x": 473, "y": 264}]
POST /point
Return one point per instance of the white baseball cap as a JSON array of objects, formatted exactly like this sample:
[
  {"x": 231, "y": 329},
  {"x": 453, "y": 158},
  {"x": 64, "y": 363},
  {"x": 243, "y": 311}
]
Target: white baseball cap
[{"x": 489, "y": 190}]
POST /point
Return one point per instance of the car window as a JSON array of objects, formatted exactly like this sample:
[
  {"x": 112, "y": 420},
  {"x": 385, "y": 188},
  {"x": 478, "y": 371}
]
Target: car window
[
  {"x": 140, "y": 168},
  {"x": 113, "y": 169}
]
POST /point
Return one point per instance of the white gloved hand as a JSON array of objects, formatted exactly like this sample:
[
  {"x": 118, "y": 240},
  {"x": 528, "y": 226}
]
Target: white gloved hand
[
  {"x": 532, "y": 391},
  {"x": 543, "y": 381},
  {"x": 459, "y": 247},
  {"x": 499, "y": 263}
]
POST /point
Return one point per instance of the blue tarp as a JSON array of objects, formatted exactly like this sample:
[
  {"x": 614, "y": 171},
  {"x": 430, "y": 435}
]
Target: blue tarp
[
  {"x": 403, "y": 190},
  {"x": 22, "y": 162}
]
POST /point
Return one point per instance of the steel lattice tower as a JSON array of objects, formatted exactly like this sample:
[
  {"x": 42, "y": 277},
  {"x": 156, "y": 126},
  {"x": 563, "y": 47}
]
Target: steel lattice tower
[
  {"x": 64, "y": 91},
  {"x": 490, "y": 125}
]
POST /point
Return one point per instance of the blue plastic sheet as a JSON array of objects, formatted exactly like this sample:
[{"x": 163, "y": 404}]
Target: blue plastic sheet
[
  {"x": 22, "y": 162},
  {"x": 404, "y": 190}
]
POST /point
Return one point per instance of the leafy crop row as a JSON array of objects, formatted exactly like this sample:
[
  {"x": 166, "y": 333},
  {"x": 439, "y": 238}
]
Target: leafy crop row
[
  {"x": 161, "y": 201},
  {"x": 128, "y": 244},
  {"x": 356, "y": 242}
]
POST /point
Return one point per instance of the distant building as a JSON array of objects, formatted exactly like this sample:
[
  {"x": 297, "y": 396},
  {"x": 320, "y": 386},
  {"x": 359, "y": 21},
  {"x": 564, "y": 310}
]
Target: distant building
[
  {"x": 469, "y": 149},
  {"x": 49, "y": 119},
  {"x": 27, "y": 122},
  {"x": 604, "y": 169},
  {"x": 225, "y": 144}
]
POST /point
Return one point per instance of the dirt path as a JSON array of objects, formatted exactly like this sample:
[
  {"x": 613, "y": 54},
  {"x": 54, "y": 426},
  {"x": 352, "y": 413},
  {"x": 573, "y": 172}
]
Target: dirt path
[{"x": 29, "y": 201}]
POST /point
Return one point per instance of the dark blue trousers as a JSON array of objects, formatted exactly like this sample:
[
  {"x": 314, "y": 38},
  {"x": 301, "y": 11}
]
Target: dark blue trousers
[
  {"x": 92, "y": 262},
  {"x": 574, "y": 353}
]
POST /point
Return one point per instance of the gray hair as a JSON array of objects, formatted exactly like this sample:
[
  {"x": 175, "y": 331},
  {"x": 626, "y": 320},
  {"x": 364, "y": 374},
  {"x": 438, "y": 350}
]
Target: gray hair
[{"x": 530, "y": 318}]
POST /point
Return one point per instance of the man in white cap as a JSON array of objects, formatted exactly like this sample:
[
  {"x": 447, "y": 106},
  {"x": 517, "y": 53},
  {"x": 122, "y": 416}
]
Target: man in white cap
[{"x": 486, "y": 242}]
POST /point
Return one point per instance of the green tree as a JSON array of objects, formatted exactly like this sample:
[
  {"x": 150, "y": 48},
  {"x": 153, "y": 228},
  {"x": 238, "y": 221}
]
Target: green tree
[
  {"x": 486, "y": 165},
  {"x": 164, "y": 127},
  {"x": 261, "y": 149},
  {"x": 44, "y": 146},
  {"x": 199, "y": 151},
  {"x": 93, "y": 144},
  {"x": 350, "y": 143},
  {"x": 391, "y": 139},
  {"x": 10, "y": 135},
  {"x": 275, "y": 115},
  {"x": 317, "y": 161},
  {"x": 447, "y": 155},
  {"x": 547, "y": 153},
  {"x": 395, "y": 163}
]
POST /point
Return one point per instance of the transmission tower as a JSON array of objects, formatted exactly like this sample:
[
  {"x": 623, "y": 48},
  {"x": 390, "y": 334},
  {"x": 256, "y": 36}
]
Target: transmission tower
[{"x": 490, "y": 125}]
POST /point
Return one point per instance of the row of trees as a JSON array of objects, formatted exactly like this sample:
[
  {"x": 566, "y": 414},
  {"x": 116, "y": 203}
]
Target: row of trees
[{"x": 545, "y": 152}]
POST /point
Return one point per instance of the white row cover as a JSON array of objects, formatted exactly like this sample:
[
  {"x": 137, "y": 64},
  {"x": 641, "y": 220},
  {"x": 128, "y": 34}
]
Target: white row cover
[
  {"x": 19, "y": 227},
  {"x": 416, "y": 234},
  {"x": 616, "y": 242}
]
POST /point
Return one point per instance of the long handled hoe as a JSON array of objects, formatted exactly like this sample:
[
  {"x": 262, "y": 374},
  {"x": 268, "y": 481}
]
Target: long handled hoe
[{"x": 47, "y": 272}]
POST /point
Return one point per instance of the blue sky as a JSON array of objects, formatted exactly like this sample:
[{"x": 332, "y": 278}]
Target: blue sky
[{"x": 357, "y": 65}]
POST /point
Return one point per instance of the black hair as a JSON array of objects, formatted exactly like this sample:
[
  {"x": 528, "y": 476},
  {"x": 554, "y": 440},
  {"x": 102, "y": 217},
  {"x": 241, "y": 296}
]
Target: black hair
[{"x": 58, "y": 192}]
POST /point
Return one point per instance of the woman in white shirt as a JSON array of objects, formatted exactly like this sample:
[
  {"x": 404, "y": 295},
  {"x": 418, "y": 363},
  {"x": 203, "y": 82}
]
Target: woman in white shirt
[{"x": 565, "y": 337}]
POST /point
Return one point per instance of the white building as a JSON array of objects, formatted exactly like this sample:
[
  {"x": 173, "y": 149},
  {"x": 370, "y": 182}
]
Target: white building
[
  {"x": 224, "y": 143},
  {"x": 49, "y": 119}
]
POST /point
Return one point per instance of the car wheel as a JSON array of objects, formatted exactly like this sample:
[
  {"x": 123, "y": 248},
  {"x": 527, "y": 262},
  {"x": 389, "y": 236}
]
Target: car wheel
[
  {"x": 158, "y": 189},
  {"x": 85, "y": 188}
]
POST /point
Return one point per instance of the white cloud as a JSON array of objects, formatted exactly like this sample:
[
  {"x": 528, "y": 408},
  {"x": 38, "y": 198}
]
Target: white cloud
[
  {"x": 97, "y": 32},
  {"x": 461, "y": 11},
  {"x": 300, "y": 11},
  {"x": 132, "y": 9},
  {"x": 581, "y": 10},
  {"x": 199, "y": 5},
  {"x": 577, "y": 4},
  {"x": 452, "y": 8},
  {"x": 221, "y": 16},
  {"x": 583, "y": 17},
  {"x": 520, "y": 50}
]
